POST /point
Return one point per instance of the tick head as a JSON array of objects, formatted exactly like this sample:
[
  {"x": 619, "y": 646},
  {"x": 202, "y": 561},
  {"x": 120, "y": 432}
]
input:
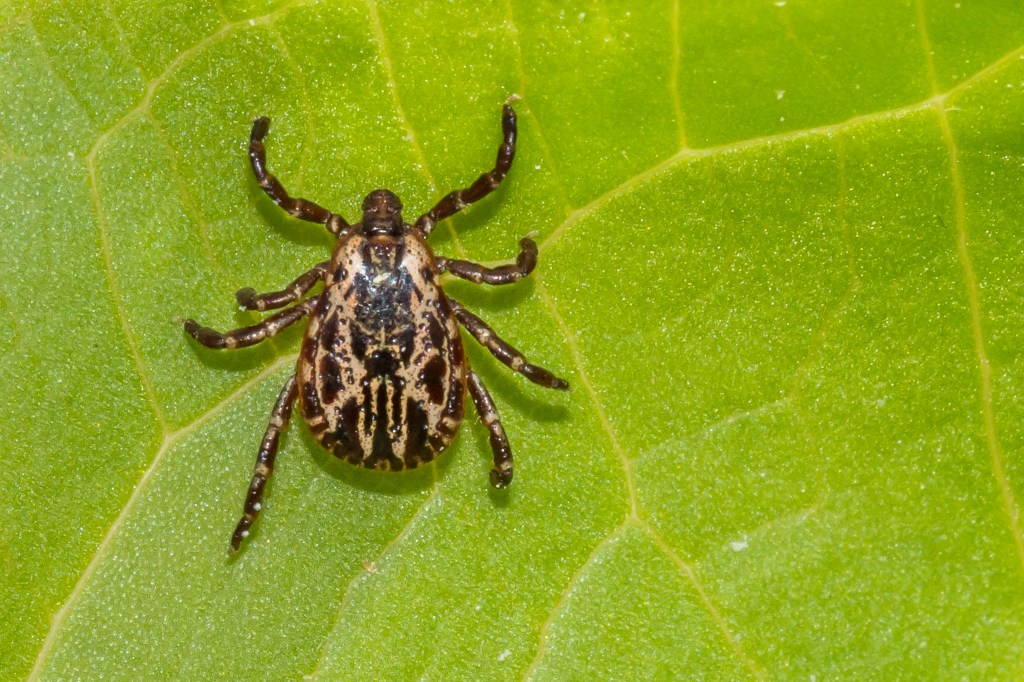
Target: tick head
[{"x": 382, "y": 213}]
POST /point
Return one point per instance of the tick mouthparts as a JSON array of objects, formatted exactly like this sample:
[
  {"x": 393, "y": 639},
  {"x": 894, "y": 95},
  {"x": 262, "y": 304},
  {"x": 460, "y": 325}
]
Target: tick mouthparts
[{"x": 382, "y": 203}]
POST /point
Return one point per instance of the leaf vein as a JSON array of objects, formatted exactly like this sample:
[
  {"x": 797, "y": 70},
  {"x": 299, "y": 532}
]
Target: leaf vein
[
  {"x": 689, "y": 572},
  {"x": 122, "y": 38},
  {"x": 191, "y": 206},
  {"x": 57, "y": 75},
  {"x": 307, "y": 104},
  {"x": 104, "y": 547},
  {"x": 673, "y": 77},
  {"x": 973, "y": 294},
  {"x": 117, "y": 300},
  {"x": 403, "y": 533},
  {"x": 572, "y": 342},
  {"x": 996, "y": 456},
  {"x": 634, "y": 516},
  {"x": 385, "y": 57},
  {"x": 152, "y": 86},
  {"x": 563, "y": 598},
  {"x": 831, "y": 316},
  {"x": 686, "y": 155},
  {"x": 542, "y": 143}
]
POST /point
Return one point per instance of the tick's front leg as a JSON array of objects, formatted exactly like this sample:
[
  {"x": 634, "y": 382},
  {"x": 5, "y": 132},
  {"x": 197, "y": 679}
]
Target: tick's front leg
[
  {"x": 248, "y": 336},
  {"x": 303, "y": 209},
  {"x": 484, "y": 185},
  {"x": 265, "y": 462}
]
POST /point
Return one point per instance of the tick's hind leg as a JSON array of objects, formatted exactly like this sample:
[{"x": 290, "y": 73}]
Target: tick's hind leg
[
  {"x": 302, "y": 209},
  {"x": 484, "y": 185},
  {"x": 247, "y": 336},
  {"x": 265, "y": 462},
  {"x": 501, "y": 469},
  {"x": 502, "y": 350},
  {"x": 526, "y": 261}
]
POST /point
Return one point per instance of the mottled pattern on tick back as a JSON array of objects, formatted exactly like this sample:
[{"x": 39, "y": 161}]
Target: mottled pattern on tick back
[
  {"x": 381, "y": 377},
  {"x": 381, "y": 373}
]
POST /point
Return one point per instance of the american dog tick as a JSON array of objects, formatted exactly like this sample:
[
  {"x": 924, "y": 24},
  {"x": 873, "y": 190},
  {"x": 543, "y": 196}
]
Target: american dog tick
[{"x": 381, "y": 376}]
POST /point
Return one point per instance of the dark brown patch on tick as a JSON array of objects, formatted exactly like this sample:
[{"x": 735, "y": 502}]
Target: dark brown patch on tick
[
  {"x": 331, "y": 385},
  {"x": 435, "y": 332},
  {"x": 434, "y": 379},
  {"x": 311, "y": 406},
  {"x": 329, "y": 332}
]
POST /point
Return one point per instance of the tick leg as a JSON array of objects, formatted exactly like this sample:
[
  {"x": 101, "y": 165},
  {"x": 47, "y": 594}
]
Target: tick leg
[
  {"x": 484, "y": 185},
  {"x": 526, "y": 261},
  {"x": 501, "y": 470},
  {"x": 250, "y": 300},
  {"x": 501, "y": 349},
  {"x": 302, "y": 209},
  {"x": 247, "y": 336},
  {"x": 265, "y": 462}
]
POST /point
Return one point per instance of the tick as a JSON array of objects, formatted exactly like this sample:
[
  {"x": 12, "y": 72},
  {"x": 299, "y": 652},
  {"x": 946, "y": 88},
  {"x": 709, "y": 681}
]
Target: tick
[{"x": 381, "y": 375}]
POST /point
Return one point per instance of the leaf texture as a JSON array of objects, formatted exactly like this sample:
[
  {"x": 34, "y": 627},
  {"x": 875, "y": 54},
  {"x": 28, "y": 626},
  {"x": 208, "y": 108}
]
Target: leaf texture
[{"x": 781, "y": 264}]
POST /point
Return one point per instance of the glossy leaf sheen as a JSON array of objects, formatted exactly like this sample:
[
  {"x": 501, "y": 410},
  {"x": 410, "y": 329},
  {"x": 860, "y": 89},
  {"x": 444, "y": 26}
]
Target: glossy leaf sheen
[{"x": 781, "y": 264}]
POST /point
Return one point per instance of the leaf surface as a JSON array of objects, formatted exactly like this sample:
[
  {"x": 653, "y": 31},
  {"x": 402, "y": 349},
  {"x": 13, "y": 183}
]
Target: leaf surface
[{"x": 781, "y": 264}]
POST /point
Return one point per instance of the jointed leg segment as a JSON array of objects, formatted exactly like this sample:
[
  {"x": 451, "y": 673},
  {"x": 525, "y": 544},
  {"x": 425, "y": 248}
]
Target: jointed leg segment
[
  {"x": 526, "y": 261},
  {"x": 265, "y": 461},
  {"x": 502, "y": 350},
  {"x": 250, "y": 300},
  {"x": 484, "y": 185},
  {"x": 501, "y": 469},
  {"x": 247, "y": 336},
  {"x": 296, "y": 207}
]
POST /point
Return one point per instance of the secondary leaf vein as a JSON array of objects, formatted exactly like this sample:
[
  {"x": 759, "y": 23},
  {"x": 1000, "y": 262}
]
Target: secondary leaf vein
[
  {"x": 385, "y": 550},
  {"x": 686, "y": 155},
  {"x": 673, "y": 78},
  {"x": 115, "y": 294},
  {"x": 570, "y": 587},
  {"x": 170, "y": 439},
  {"x": 541, "y": 140},
  {"x": 996, "y": 455},
  {"x": 690, "y": 574},
  {"x": 385, "y": 58}
]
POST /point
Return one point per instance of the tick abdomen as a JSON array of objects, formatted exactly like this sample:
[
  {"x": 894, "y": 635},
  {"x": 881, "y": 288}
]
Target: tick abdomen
[{"x": 381, "y": 374}]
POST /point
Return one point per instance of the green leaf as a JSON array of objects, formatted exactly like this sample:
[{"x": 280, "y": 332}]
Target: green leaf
[{"x": 781, "y": 265}]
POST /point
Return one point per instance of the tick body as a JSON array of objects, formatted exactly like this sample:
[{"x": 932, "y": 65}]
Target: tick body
[{"x": 381, "y": 376}]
